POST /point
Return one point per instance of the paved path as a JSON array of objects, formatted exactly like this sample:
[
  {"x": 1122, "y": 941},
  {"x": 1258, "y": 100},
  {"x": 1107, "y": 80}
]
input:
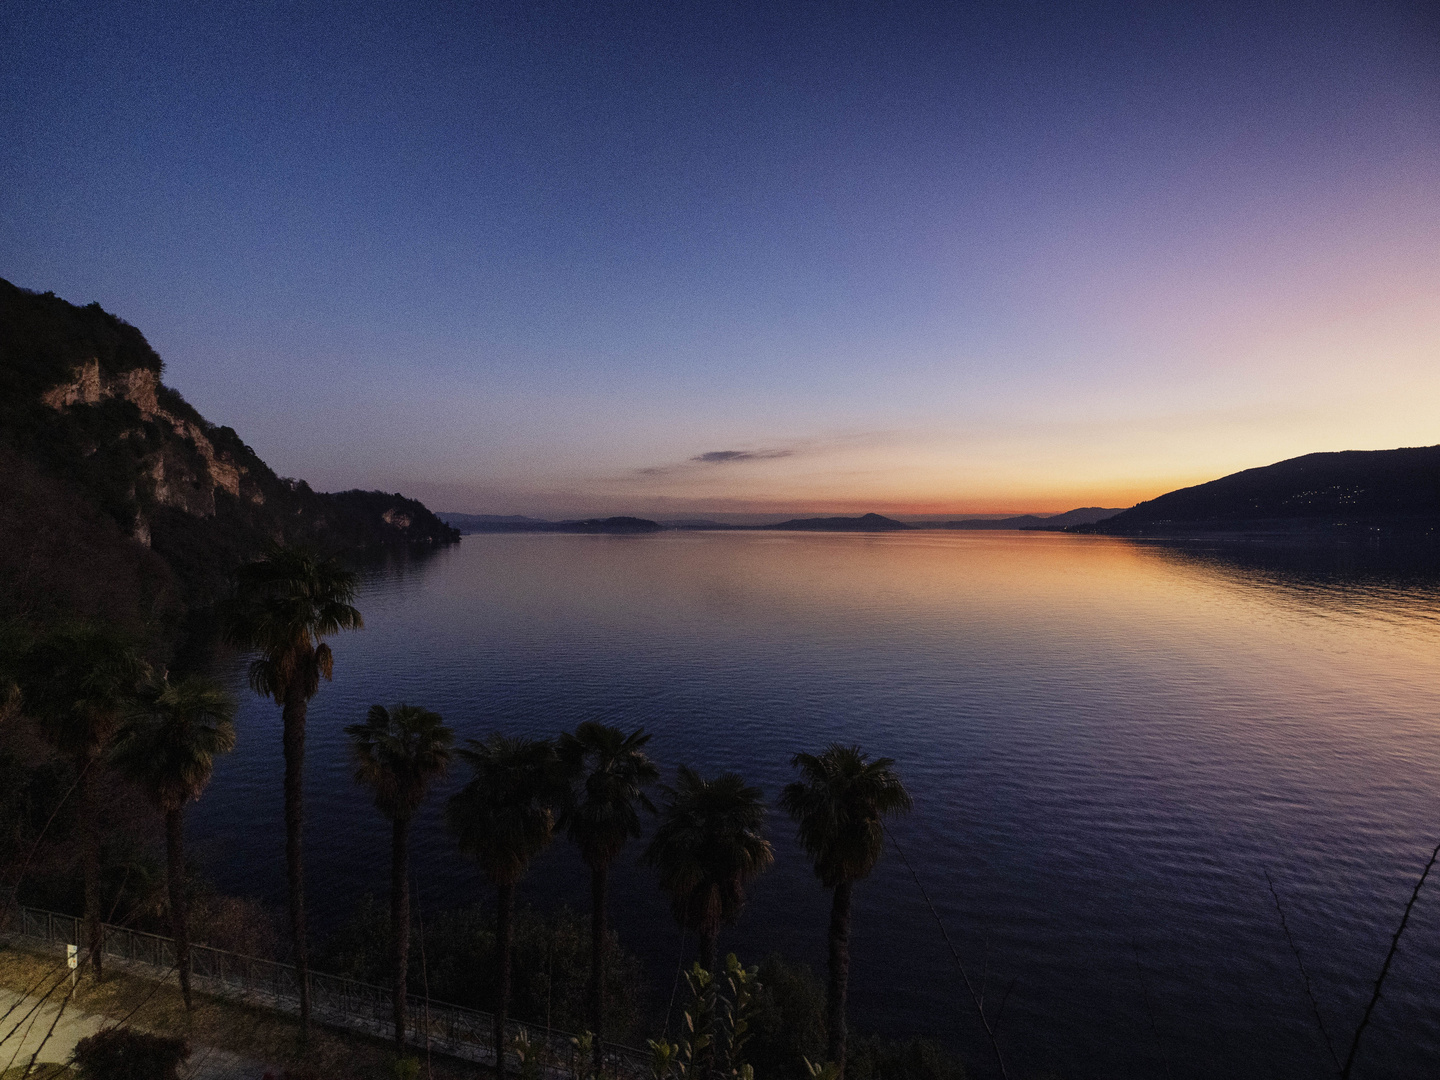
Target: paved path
[{"x": 27, "y": 1024}]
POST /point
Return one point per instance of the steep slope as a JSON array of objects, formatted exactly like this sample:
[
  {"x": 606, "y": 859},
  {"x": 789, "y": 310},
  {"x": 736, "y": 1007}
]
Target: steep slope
[
  {"x": 83, "y": 407},
  {"x": 1371, "y": 490}
]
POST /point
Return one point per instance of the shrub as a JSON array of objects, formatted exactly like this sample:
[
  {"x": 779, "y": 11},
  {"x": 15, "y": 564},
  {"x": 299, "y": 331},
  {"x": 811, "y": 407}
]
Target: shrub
[
  {"x": 126, "y": 1054},
  {"x": 788, "y": 1029},
  {"x": 874, "y": 1058}
]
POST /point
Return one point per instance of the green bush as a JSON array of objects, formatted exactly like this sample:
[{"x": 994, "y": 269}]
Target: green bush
[{"x": 125, "y": 1054}]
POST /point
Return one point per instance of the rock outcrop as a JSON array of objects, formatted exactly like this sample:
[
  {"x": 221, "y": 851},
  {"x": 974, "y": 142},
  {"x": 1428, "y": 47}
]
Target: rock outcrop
[{"x": 176, "y": 480}]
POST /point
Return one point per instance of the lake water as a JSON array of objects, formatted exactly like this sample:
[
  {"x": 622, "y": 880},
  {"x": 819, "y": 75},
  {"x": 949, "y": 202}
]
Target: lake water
[{"x": 1108, "y": 742}]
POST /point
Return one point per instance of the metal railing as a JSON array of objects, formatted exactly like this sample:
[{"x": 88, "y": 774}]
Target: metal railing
[{"x": 334, "y": 1000}]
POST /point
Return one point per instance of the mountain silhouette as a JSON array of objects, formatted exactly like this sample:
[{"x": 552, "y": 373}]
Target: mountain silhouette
[{"x": 1384, "y": 491}]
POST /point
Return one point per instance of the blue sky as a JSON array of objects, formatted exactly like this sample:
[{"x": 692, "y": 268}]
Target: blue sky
[{"x": 544, "y": 258}]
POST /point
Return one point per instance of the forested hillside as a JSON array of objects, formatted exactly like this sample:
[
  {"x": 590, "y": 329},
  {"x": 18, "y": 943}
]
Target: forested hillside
[
  {"x": 1384, "y": 491},
  {"x": 118, "y": 500}
]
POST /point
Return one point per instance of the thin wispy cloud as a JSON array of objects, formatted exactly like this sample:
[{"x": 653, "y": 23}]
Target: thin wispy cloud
[
  {"x": 712, "y": 458},
  {"x": 723, "y": 457}
]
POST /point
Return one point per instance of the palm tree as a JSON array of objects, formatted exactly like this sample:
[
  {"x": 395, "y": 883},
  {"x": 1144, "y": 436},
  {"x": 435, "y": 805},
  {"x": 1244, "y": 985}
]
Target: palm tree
[
  {"x": 605, "y": 773},
  {"x": 78, "y": 682},
  {"x": 503, "y": 819},
  {"x": 397, "y": 753},
  {"x": 168, "y": 748},
  {"x": 838, "y": 806},
  {"x": 282, "y": 607},
  {"x": 708, "y": 847}
]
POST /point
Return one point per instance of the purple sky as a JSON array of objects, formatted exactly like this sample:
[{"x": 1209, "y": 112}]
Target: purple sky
[{"x": 699, "y": 258}]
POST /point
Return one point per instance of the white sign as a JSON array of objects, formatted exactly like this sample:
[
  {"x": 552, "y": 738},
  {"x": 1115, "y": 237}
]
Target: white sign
[{"x": 72, "y": 956}]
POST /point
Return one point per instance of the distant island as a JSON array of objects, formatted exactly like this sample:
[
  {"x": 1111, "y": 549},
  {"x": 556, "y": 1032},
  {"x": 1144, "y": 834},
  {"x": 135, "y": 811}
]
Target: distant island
[
  {"x": 1347, "y": 493},
  {"x": 864, "y": 523},
  {"x": 494, "y": 523}
]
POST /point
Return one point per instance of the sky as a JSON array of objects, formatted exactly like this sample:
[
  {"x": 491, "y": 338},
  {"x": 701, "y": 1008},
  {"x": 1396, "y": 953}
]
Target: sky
[{"x": 702, "y": 259}]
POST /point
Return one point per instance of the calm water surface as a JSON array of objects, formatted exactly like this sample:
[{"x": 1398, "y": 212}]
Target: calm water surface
[{"x": 1109, "y": 743}]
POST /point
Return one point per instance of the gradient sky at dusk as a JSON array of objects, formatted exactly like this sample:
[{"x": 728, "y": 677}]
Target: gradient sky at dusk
[{"x": 695, "y": 258}]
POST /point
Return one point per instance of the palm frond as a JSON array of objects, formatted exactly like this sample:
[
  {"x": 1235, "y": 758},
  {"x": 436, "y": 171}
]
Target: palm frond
[
  {"x": 169, "y": 743},
  {"x": 605, "y": 772},
  {"x": 709, "y": 845},
  {"x": 838, "y": 805},
  {"x": 79, "y": 682},
  {"x": 503, "y": 817},
  {"x": 281, "y": 607},
  {"x": 397, "y": 753}
]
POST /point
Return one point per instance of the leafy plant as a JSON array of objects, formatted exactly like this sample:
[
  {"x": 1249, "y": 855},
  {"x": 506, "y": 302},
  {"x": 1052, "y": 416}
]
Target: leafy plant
[
  {"x": 664, "y": 1058},
  {"x": 582, "y": 1055},
  {"x": 736, "y": 1012},
  {"x": 696, "y": 1056},
  {"x": 527, "y": 1054},
  {"x": 717, "y": 1022}
]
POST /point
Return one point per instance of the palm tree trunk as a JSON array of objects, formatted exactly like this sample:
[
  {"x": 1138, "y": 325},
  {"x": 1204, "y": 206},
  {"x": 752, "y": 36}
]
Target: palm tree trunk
[
  {"x": 90, "y": 859},
  {"x": 400, "y": 921},
  {"x": 709, "y": 949},
  {"x": 839, "y": 972},
  {"x": 709, "y": 959},
  {"x": 598, "y": 876},
  {"x": 708, "y": 925},
  {"x": 504, "y": 912},
  {"x": 294, "y": 740},
  {"x": 175, "y": 880}
]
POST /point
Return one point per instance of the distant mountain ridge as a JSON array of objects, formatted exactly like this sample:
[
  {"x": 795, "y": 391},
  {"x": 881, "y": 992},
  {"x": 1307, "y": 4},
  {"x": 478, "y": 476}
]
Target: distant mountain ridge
[
  {"x": 864, "y": 523},
  {"x": 91, "y": 440},
  {"x": 1085, "y": 515},
  {"x": 516, "y": 523},
  {"x": 497, "y": 523},
  {"x": 507, "y": 523},
  {"x": 1374, "y": 491}
]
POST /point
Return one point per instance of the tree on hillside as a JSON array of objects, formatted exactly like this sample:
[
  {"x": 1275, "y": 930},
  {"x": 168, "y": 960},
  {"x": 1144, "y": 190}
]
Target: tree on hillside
[
  {"x": 838, "y": 805},
  {"x": 168, "y": 748},
  {"x": 282, "y": 606},
  {"x": 503, "y": 819},
  {"x": 397, "y": 753},
  {"x": 79, "y": 682},
  {"x": 709, "y": 845},
  {"x": 605, "y": 773}
]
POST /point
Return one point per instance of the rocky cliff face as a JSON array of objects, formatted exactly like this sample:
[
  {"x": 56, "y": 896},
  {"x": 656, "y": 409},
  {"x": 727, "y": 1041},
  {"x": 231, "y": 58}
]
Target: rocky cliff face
[
  {"x": 184, "y": 473},
  {"x": 82, "y": 403}
]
